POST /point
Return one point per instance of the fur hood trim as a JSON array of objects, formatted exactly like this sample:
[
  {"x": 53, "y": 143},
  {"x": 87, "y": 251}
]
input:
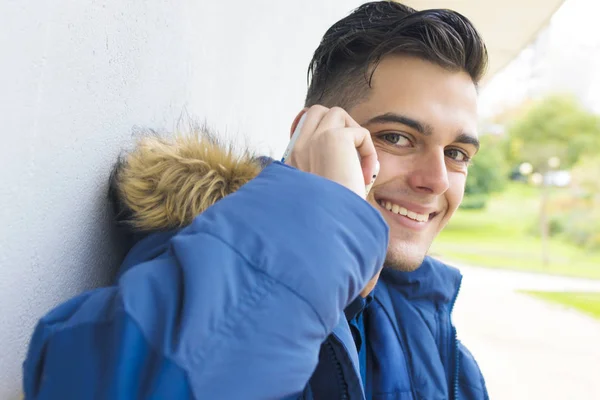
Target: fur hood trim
[{"x": 165, "y": 182}]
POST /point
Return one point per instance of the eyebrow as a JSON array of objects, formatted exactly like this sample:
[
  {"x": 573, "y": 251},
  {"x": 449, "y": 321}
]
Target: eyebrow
[
  {"x": 424, "y": 129},
  {"x": 465, "y": 138}
]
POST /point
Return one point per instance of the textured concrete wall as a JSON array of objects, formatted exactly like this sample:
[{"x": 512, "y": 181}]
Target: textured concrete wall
[{"x": 76, "y": 77}]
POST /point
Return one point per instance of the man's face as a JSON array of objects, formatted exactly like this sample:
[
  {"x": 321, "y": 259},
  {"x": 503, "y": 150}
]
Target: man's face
[{"x": 423, "y": 121}]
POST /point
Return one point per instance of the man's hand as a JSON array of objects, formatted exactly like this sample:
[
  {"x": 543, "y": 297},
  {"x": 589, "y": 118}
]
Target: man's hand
[{"x": 328, "y": 144}]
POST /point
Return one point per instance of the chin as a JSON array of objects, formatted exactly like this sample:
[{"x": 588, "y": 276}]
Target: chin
[
  {"x": 405, "y": 257},
  {"x": 400, "y": 265}
]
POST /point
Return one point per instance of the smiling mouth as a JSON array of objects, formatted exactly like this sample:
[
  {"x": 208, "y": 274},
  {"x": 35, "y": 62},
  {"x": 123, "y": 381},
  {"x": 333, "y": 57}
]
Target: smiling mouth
[{"x": 399, "y": 210}]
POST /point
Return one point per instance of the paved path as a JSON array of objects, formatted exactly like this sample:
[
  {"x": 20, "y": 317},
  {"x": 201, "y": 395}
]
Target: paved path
[{"x": 529, "y": 349}]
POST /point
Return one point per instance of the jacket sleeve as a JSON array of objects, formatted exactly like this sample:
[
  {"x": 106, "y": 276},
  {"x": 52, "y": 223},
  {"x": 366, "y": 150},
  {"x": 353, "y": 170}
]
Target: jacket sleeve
[{"x": 236, "y": 308}]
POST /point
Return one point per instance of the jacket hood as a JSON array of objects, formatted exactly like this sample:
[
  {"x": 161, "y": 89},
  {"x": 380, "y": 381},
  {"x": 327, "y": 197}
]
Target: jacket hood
[{"x": 163, "y": 183}]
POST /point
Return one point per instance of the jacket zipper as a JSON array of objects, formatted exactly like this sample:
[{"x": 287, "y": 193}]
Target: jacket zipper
[
  {"x": 456, "y": 364},
  {"x": 455, "y": 339},
  {"x": 340, "y": 374}
]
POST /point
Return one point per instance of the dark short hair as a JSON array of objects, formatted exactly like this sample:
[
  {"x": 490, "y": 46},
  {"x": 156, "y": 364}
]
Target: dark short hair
[{"x": 342, "y": 67}]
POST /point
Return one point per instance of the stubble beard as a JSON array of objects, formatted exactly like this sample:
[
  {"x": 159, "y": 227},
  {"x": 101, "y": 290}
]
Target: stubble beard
[{"x": 401, "y": 261}]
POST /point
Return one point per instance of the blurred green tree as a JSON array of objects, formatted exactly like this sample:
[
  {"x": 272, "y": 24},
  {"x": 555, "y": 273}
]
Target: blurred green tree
[
  {"x": 586, "y": 178},
  {"x": 488, "y": 173},
  {"x": 583, "y": 217},
  {"x": 554, "y": 126},
  {"x": 557, "y": 130}
]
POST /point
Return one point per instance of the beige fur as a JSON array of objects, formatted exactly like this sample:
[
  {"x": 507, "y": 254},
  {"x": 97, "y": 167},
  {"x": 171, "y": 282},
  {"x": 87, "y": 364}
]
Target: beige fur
[{"x": 166, "y": 182}]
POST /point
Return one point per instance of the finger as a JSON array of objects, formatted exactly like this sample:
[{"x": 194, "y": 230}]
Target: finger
[
  {"x": 314, "y": 116},
  {"x": 303, "y": 132},
  {"x": 336, "y": 118},
  {"x": 367, "y": 153}
]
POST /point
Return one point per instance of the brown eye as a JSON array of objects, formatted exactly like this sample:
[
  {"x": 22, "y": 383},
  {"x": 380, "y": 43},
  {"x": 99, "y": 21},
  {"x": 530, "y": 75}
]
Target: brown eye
[
  {"x": 458, "y": 155},
  {"x": 396, "y": 139}
]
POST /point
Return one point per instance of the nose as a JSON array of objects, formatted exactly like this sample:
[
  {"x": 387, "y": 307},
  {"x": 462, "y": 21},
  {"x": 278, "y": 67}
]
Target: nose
[{"x": 430, "y": 174}]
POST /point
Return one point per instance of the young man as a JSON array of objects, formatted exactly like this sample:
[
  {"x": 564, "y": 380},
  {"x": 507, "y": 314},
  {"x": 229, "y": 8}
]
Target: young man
[{"x": 250, "y": 284}]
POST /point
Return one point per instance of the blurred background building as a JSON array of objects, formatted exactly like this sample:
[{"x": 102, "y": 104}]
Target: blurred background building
[{"x": 563, "y": 57}]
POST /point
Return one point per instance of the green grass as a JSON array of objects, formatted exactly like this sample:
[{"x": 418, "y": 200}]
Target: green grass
[
  {"x": 588, "y": 303},
  {"x": 500, "y": 236}
]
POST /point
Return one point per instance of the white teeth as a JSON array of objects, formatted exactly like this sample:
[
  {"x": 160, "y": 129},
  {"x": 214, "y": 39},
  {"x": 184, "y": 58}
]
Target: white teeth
[{"x": 396, "y": 209}]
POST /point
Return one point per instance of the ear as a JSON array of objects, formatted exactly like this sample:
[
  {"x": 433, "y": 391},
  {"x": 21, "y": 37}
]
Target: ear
[{"x": 296, "y": 120}]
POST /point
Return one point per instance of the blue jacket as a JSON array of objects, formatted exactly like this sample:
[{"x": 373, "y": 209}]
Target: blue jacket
[
  {"x": 244, "y": 287},
  {"x": 410, "y": 332},
  {"x": 412, "y": 350}
]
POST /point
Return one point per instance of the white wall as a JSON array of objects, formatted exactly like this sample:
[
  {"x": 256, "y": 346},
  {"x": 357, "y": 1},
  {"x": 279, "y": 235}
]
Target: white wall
[{"x": 77, "y": 76}]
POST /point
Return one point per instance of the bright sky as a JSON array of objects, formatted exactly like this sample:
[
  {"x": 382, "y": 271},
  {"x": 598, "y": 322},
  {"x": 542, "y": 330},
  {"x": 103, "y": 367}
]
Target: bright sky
[{"x": 569, "y": 58}]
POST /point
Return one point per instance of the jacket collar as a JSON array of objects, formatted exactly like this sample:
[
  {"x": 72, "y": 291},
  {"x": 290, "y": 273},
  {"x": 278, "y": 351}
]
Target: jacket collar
[{"x": 433, "y": 282}]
